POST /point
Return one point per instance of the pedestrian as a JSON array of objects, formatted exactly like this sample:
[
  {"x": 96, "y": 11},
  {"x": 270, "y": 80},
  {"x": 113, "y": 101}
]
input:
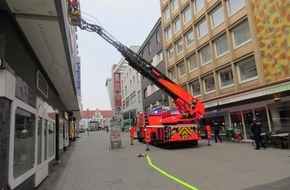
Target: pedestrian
[
  {"x": 256, "y": 128},
  {"x": 216, "y": 130}
]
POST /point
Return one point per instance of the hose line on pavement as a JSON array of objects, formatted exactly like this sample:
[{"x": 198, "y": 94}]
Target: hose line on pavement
[{"x": 168, "y": 175}]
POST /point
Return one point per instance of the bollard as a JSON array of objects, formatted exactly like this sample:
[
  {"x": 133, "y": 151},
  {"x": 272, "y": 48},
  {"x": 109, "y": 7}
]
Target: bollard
[
  {"x": 208, "y": 134},
  {"x": 147, "y": 138},
  {"x": 131, "y": 134}
]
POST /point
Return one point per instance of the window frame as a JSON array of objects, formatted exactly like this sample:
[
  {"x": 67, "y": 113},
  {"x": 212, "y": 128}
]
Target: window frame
[
  {"x": 205, "y": 86},
  {"x": 181, "y": 69},
  {"x": 187, "y": 39},
  {"x": 201, "y": 57},
  {"x": 177, "y": 25},
  {"x": 185, "y": 17},
  {"x": 246, "y": 61},
  {"x": 241, "y": 26},
  {"x": 226, "y": 70},
  {"x": 224, "y": 36},
  {"x": 192, "y": 89},
  {"x": 212, "y": 16},
  {"x": 179, "y": 46},
  {"x": 192, "y": 57},
  {"x": 200, "y": 23}
]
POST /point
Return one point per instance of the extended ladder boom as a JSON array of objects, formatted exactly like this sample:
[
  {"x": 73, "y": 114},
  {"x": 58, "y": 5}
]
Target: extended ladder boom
[{"x": 190, "y": 108}]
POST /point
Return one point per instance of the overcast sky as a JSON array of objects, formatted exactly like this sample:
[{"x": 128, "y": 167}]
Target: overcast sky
[{"x": 130, "y": 22}]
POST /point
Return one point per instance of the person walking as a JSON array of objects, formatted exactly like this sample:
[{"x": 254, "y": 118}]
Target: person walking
[
  {"x": 256, "y": 128},
  {"x": 216, "y": 130}
]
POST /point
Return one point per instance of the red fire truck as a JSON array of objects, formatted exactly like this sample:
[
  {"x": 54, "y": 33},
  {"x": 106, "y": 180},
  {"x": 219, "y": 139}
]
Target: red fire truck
[{"x": 164, "y": 127}]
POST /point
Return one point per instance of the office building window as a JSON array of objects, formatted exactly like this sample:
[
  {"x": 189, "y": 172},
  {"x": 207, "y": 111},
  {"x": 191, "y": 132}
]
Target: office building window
[
  {"x": 221, "y": 46},
  {"x": 171, "y": 73},
  {"x": 195, "y": 88},
  {"x": 149, "y": 48},
  {"x": 166, "y": 14},
  {"x": 186, "y": 15},
  {"x": 170, "y": 53},
  {"x": 181, "y": 69},
  {"x": 174, "y": 5},
  {"x": 234, "y": 5},
  {"x": 192, "y": 63},
  {"x": 158, "y": 40},
  {"x": 241, "y": 34},
  {"x": 168, "y": 33},
  {"x": 247, "y": 69},
  {"x": 209, "y": 84},
  {"x": 189, "y": 36},
  {"x": 198, "y": 4},
  {"x": 205, "y": 55},
  {"x": 179, "y": 46},
  {"x": 202, "y": 28},
  {"x": 226, "y": 77},
  {"x": 177, "y": 25},
  {"x": 160, "y": 57},
  {"x": 217, "y": 16}
]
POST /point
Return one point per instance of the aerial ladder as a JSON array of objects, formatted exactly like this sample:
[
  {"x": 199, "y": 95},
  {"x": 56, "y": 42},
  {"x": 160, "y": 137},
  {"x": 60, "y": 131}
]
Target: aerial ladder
[{"x": 189, "y": 107}]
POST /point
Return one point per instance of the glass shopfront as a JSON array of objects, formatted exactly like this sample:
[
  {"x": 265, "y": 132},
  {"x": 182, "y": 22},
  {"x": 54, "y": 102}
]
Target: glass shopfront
[{"x": 24, "y": 142}]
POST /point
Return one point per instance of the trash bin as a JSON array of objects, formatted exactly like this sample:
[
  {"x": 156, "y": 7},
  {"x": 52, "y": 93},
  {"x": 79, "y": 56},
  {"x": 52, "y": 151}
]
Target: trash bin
[{"x": 230, "y": 134}]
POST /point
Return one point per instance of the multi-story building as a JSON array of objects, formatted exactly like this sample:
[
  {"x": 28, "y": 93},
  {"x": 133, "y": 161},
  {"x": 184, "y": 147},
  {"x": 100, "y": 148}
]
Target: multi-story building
[
  {"x": 39, "y": 100},
  {"x": 234, "y": 55},
  {"x": 154, "y": 99},
  {"x": 130, "y": 89},
  {"x": 96, "y": 119}
]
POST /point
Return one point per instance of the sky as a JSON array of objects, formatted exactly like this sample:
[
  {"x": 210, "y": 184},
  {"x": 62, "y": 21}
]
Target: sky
[{"x": 128, "y": 21}]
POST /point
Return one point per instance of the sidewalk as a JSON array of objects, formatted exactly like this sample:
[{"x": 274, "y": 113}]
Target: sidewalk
[{"x": 89, "y": 164}]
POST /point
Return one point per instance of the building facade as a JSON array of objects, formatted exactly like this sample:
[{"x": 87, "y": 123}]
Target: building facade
[
  {"x": 154, "y": 99},
  {"x": 39, "y": 104},
  {"x": 234, "y": 55},
  {"x": 131, "y": 93}
]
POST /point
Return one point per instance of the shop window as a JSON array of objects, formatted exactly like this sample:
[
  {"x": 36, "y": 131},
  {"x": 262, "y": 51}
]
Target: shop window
[
  {"x": 51, "y": 137},
  {"x": 39, "y": 140},
  {"x": 24, "y": 142}
]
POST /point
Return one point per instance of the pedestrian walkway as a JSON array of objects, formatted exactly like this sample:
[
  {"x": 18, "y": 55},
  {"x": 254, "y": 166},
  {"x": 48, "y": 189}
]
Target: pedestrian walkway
[{"x": 90, "y": 164}]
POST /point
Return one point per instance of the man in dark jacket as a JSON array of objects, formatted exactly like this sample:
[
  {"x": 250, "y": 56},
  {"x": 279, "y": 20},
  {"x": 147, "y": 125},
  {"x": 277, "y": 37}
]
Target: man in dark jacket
[
  {"x": 256, "y": 128},
  {"x": 216, "y": 130}
]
